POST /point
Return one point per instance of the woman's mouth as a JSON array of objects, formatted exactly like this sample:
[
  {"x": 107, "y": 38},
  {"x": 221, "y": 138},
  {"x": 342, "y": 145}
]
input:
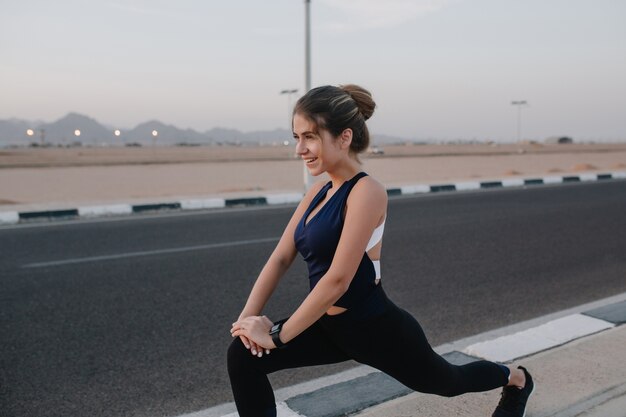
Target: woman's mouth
[{"x": 310, "y": 160}]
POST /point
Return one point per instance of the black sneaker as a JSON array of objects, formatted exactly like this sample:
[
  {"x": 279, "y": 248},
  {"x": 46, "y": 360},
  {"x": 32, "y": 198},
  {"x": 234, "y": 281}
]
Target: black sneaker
[{"x": 513, "y": 400}]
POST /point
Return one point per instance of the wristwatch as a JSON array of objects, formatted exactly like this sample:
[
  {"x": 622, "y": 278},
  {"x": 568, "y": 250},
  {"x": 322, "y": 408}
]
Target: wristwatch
[{"x": 275, "y": 333}]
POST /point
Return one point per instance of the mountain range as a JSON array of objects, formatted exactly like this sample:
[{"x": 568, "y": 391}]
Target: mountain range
[{"x": 78, "y": 129}]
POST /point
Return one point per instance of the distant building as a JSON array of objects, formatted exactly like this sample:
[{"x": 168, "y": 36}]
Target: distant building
[{"x": 559, "y": 140}]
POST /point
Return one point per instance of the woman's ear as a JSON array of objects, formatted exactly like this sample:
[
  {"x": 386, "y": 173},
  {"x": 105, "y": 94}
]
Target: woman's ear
[{"x": 345, "y": 138}]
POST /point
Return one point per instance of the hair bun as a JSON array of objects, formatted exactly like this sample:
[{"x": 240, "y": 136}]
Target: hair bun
[{"x": 362, "y": 97}]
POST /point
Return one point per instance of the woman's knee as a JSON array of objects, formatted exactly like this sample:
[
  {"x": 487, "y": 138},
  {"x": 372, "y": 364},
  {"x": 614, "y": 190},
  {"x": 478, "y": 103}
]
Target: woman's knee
[{"x": 237, "y": 357}]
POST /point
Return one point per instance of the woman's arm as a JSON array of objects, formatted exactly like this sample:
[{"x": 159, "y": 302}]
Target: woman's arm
[
  {"x": 279, "y": 261},
  {"x": 365, "y": 208},
  {"x": 276, "y": 266}
]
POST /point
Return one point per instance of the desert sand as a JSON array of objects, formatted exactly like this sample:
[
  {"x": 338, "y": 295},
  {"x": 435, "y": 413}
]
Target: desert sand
[{"x": 58, "y": 178}]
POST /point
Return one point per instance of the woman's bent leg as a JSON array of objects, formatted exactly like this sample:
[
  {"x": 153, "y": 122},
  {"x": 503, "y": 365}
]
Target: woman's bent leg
[{"x": 252, "y": 391}]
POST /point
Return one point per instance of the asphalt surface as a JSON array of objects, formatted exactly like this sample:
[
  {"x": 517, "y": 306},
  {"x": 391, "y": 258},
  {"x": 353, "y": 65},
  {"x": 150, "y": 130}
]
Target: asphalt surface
[{"x": 130, "y": 316}]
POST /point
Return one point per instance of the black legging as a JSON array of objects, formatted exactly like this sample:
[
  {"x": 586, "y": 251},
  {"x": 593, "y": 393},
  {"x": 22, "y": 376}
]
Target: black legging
[{"x": 386, "y": 337}]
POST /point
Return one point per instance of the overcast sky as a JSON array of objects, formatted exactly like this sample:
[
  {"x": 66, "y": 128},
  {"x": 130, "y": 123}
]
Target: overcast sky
[{"x": 438, "y": 69}]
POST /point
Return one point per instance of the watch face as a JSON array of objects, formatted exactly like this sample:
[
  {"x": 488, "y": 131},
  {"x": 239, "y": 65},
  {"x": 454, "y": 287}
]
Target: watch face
[{"x": 274, "y": 328}]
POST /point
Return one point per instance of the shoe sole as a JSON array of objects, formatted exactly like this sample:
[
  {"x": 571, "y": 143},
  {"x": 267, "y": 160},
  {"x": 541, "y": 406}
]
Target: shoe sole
[{"x": 528, "y": 399}]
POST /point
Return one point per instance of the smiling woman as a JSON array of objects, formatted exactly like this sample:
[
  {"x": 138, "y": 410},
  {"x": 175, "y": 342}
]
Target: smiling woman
[
  {"x": 338, "y": 229},
  {"x": 327, "y": 115}
]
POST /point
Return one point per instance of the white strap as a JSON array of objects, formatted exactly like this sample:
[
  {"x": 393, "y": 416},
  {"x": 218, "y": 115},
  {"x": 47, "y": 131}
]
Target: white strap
[
  {"x": 377, "y": 268},
  {"x": 377, "y": 235}
]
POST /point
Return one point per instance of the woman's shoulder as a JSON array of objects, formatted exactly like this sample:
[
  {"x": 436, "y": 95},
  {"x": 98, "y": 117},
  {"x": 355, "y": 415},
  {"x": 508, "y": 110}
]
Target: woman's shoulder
[
  {"x": 368, "y": 188},
  {"x": 370, "y": 184}
]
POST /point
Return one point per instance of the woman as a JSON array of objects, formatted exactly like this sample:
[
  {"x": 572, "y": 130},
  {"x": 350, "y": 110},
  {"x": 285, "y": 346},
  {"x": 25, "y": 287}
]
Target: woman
[{"x": 337, "y": 227}]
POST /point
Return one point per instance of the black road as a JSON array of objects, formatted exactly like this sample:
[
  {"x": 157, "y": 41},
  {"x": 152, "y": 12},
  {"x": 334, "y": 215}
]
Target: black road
[{"x": 131, "y": 316}]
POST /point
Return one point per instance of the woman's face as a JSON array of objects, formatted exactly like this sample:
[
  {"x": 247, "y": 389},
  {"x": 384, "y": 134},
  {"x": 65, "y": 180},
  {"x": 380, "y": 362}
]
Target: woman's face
[{"x": 317, "y": 147}]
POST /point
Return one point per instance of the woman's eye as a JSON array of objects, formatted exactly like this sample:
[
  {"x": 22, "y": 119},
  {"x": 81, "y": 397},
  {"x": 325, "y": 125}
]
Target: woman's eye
[{"x": 307, "y": 137}]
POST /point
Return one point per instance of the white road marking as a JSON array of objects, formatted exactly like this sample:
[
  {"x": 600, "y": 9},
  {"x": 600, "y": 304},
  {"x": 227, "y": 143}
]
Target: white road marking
[{"x": 148, "y": 253}]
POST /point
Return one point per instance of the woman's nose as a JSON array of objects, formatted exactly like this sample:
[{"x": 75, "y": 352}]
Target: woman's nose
[{"x": 300, "y": 148}]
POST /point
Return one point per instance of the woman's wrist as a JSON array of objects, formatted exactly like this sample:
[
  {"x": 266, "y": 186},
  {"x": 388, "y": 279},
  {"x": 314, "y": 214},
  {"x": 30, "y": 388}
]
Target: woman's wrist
[
  {"x": 245, "y": 314},
  {"x": 284, "y": 332},
  {"x": 275, "y": 333}
]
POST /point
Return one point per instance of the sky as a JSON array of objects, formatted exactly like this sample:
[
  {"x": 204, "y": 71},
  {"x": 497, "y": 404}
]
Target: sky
[{"x": 437, "y": 69}]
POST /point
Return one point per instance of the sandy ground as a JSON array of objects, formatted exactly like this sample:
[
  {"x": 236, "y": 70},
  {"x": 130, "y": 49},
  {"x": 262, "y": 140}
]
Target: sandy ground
[{"x": 70, "y": 177}]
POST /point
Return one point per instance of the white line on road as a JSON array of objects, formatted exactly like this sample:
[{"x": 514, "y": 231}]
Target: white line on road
[{"x": 148, "y": 253}]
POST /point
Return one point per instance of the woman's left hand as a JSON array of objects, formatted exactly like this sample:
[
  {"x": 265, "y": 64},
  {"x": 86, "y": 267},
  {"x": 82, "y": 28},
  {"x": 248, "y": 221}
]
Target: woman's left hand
[{"x": 256, "y": 329}]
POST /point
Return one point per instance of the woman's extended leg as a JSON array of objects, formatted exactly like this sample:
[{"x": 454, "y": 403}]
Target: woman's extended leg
[
  {"x": 252, "y": 391},
  {"x": 395, "y": 343}
]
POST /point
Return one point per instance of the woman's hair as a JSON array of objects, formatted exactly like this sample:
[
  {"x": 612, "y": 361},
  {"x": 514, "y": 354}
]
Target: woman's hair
[{"x": 338, "y": 108}]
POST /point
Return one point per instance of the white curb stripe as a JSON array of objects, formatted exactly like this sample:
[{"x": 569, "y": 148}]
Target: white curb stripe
[
  {"x": 527, "y": 342},
  {"x": 552, "y": 180},
  {"x": 513, "y": 182},
  {"x": 113, "y": 209},
  {"x": 10, "y": 217},
  {"x": 467, "y": 185},
  {"x": 283, "y": 198},
  {"x": 282, "y": 410},
  {"x": 202, "y": 203},
  {"x": 619, "y": 174},
  {"x": 414, "y": 189},
  {"x": 588, "y": 177}
]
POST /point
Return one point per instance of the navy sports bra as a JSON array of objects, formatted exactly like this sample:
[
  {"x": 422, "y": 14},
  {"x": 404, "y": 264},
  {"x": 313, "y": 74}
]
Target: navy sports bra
[{"x": 317, "y": 241}]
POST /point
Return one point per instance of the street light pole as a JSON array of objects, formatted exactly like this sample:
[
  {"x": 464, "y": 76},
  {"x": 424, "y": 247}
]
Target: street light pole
[
  {"x": 289, "y": 93},
  {"x": 519, "y": 104},
  {"x": 117, "y": 134},
  {"x": 307, "y": 45},
  {"x": 308, "y": 179}
]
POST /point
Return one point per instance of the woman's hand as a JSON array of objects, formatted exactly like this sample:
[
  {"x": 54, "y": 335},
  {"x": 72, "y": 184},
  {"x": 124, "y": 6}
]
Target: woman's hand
[{"x": 254, "y": 333}]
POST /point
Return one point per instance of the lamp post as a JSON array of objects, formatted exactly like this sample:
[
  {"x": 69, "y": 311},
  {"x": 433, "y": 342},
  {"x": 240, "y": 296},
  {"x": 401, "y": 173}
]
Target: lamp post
[
  {"x": 30, "y": 133},
  {"x": 308, "y": 179},
  {"x": 42, "y": 135},
  {"x": 76, "y": 134},
  {"x": 519, "y": 104},
  {"x": 307, "y": 44},
  {"x": 117, "y": 133},
  {"x": 289, "y": 93}
]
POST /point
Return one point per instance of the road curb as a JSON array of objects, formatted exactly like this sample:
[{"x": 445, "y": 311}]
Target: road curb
[{"x": 15, "y": 217}]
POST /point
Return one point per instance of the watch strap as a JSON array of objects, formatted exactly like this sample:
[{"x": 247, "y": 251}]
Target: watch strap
[{"x": 275, "y": 333}]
